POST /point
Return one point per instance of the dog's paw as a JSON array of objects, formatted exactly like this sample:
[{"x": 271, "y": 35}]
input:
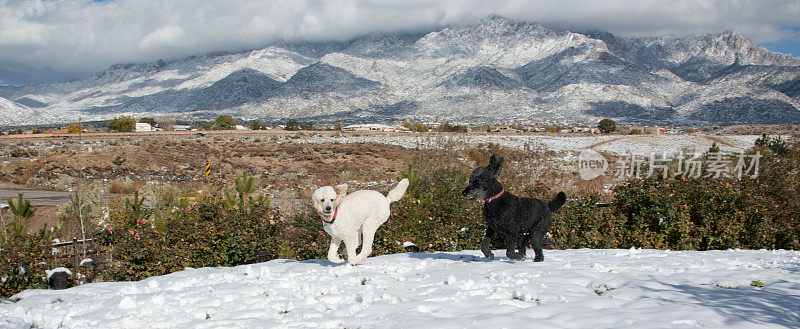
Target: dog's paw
[{"x": 337, "y": 260}]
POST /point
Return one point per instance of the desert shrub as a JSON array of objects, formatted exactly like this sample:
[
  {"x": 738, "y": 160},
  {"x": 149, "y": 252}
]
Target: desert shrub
[
  {"x": 774, "y": 144},
  {"x": 20, "y": 152},
  {"x": 121, "y": 186}
]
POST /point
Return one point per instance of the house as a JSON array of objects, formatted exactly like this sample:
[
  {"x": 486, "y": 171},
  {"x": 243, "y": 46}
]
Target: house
[
  {"x": 181, "y": 127},
  {"x": 143, "y": 126},
  {"x": 240, "y": 127}
]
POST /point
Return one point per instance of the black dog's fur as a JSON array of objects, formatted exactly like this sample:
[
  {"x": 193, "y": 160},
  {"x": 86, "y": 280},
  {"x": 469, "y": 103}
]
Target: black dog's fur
[{"x": 519, "y": 221}]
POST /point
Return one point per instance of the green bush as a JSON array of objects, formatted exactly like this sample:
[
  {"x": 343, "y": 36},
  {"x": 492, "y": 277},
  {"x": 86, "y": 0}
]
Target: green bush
[
  {"x": 204, "y": 233},
  {"x": 23, "y": 262},
  {"x": 581, "y": 224},
  {"x": 122, "y": 124},
  {"x": 433, "y": 214}
]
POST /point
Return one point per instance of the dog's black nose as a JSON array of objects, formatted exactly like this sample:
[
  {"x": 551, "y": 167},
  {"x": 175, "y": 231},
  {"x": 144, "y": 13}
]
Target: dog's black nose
[{"x": 328, "y": 208}]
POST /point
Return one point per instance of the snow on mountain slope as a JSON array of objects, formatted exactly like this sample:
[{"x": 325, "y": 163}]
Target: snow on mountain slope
[
  {"x": 497, "y": 68},
  {"x": 17, "y": 113},
  {"x": 280, "y": 64},
  {"x": 695, "y": 58},
  {"x": 572, "y": 288}
]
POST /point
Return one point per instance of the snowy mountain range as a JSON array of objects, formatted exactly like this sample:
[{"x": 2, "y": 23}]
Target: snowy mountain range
[{"x": 497, "y": 70}]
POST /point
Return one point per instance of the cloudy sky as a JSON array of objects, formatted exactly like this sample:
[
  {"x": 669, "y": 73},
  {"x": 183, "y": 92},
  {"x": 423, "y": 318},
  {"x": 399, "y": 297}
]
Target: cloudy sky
[{"x": 59, "y": 39}]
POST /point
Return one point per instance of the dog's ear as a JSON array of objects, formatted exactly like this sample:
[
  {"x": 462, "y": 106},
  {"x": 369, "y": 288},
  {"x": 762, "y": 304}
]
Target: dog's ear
[
  {"x": 340, "y": 189},
  {"x": 495, "y": 165}
]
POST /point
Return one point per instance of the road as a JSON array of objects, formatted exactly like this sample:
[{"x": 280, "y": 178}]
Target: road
[
  {"x": 37, "y": 198},
  {"x": 54, "y": 198}
]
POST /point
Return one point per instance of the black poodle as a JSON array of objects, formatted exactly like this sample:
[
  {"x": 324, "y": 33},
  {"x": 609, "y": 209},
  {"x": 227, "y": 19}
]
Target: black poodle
[{"x": 520, "y": 221}]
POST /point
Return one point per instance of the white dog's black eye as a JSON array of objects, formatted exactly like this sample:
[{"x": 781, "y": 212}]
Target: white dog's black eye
[{"x": 331, "y": 199}]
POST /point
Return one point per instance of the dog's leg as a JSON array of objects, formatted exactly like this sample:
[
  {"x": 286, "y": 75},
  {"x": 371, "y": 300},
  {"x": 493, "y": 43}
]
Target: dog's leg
[
  {"x": 486, "y": 244},
  {"x": 333, "y": 251},
  {"x": 511, "y": 249},
  {"x": 368, "y": 232},
  {"x": 350, "y": 244},
  {"x": 537, "y": 246},
  {"x": 526, "y": 241}
]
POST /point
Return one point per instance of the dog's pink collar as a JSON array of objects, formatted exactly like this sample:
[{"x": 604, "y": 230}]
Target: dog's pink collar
[
  {"x": 332, "y": 218},
  {"x": 490, "y": 199}
]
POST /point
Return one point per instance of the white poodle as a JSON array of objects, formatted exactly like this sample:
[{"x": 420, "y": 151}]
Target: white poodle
[{"x": 349, "y": 217}]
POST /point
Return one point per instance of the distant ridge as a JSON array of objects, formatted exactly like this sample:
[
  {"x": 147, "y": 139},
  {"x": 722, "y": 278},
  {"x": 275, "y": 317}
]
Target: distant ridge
[{"x": 497, "y": 70}]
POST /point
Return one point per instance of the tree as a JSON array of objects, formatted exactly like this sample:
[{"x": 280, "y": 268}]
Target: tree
[
  {"x": 714, "y": 148},
  {"x": 244, "y": 185},
  {"x": 337, "y": 126},
  {"x": 307, "y": 126},
  {"x": 122, "y": 124},
  {"x": 448, "y": 128},
  {"x": 166, "y": 122},
  {"x": 151, "y": 121},
  {"x": 23, "y": 211},
  {"x": 74, "y": 128},
  {"x": 225, "y": 122},
  {"x": 607, "y": 126},
  {"x": 415, "y": 127},
  {"x": 79, "y": 207},
  {"x": 256, "y": 125},
  {"x": 291, "y": 124},
  {"x": 136, "y": 210}
]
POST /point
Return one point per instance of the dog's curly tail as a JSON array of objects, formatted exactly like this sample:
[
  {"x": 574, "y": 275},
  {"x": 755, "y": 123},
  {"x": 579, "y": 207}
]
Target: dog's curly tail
[
  {"x": 557, "y": 202},
  {"x": 398, "y": 191}
]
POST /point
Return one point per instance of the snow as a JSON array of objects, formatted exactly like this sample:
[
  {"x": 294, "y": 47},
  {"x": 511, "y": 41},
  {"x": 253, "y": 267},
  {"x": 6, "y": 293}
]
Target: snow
[
  {"x": 568, "y": 66},
  {"x": 617, "y": 144},
  {"x": 571, "y": 289},
  {"x": 56, "y": 270}
]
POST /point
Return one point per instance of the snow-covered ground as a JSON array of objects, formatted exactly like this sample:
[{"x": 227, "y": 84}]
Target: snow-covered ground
[
  {"x": 619, "y": 144},
  {"x": 571, "y": 289}
]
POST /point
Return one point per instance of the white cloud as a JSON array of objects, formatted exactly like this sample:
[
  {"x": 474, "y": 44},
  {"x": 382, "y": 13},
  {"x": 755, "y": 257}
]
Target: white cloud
[{"x": 84, "y": 36}]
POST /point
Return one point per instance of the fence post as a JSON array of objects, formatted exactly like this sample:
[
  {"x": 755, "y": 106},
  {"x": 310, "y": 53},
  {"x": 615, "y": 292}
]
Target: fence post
[{"x": 75, "y": 251}]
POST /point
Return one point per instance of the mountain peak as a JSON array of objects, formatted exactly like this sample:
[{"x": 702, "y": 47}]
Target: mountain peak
[{"x": 510, "y": 68}]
